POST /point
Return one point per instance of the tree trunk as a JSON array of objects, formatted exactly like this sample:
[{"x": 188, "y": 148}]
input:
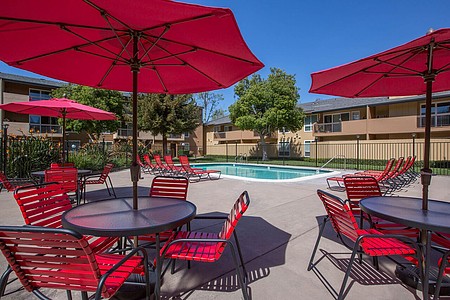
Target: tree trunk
[
  {"x": 164, "y": 142},
  {"x": 263, "y": 147}
]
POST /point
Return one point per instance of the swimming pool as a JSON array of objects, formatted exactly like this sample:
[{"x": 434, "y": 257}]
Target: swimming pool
[{"x": 265, "y": 172}]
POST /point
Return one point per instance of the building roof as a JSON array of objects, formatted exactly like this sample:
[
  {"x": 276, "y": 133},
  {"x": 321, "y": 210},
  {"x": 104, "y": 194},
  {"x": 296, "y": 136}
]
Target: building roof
[
  {"x": 219, "y": 121},
  {"x": 31, "y": 80},
  {"x": 344, "y": 103}
]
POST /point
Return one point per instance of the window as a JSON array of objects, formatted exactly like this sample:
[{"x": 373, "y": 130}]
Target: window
[
  {"x": 307, "y": 148},
  {"x": 440, "y": 114},
  {"x": 42, "y": 124},
  {"x": 284, "y": 149},
  {"x": 186, "y": 135},
  {"x": 355, "y": 115},
  {"x": 333, "y": 122},
  {"x": 309, "y": 122},
  {"x": 216, "y": 128}
]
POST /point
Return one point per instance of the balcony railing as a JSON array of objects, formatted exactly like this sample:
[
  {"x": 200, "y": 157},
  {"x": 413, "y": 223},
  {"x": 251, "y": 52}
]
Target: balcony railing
[
  {"x": 40, "y": 128},
  {"x": 125, "y": 132},
  {"x": 436, "y": 121},
  {"x": 328, "y": 127}
]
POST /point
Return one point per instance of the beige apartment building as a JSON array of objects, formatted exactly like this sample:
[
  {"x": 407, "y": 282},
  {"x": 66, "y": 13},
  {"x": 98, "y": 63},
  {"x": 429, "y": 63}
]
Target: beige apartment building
[
  {"x": 15, "y": 88},
  {"x": 346, "y": 120}
]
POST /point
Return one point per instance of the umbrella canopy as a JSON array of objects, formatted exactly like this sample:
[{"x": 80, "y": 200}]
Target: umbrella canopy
[
  {"x": 418, "y": 67},
  {"x": 169, "y": 47},
  {"x": 59, "y": 108}
]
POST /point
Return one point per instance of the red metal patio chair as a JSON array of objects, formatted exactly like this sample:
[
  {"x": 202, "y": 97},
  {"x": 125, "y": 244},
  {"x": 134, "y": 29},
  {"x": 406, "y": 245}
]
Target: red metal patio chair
[
  {"x": 360, "y": 187},
  {"x": 11, "y": 184},
  {"x": 62, "y": 165},
  {"x": 442, "y": 244},
  {"x": 63, "y": 259},
  {"x": 43, "y": 205},
  {"x": 68, "y": 177},
  {"x": 103, "y": 178},
  {"x": 370, "y": 241},
  {"x": 197, "y": 172},
  {"x": 152, "y": 167},
  {"x": 166, "y": 187},
  {"x": 209, "y": 247}
]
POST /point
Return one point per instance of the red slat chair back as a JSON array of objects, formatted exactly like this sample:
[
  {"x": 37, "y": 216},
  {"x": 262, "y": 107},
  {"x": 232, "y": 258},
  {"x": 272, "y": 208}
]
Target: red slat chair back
[
  {"x": 43, "y": 205},
  {"x": 159, "y": 163},
  {"x": 340, "y": 215},
  {"x": 359, "y": 187},
  {"x": 386, "y": 170},
  {"x": 6, "y": 184},
  {"x": 139, "y": 161},
  {"x": 62, "y": 165},
  {"x": 173, "y": 187},
  {"x": 239, "y": 208},
  {"x": 61, "y": 259},
  {"x": 67, "y": 176},
  {"x": 168, "y": 160},
  {"x": 184, "y": 161},
  {"x": 105, "y": 173}
]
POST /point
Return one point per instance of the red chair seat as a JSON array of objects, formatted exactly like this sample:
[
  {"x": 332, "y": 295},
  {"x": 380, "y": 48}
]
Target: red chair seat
[
  {"x": 199, "y": 251},
  {"x": 383, "y": 246}
]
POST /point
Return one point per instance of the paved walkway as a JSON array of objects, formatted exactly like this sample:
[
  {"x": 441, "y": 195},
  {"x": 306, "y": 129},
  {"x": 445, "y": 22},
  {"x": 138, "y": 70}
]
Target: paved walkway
[{"x": 277, "y": 235}]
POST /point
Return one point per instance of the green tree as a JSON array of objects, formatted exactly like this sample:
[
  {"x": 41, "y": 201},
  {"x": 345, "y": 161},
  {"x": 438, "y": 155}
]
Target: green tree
[
  {"x": 267, "y": 105},
  {"x": 167, "y": 114},
  {"x": 107, "y": 100},
  {"x": 209, "y": 102}
]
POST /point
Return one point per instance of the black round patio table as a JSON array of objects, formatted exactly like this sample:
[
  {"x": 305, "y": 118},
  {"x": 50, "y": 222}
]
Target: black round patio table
[
  {"x": 117, "y": 218},
  {"x": 408, "y": 211},
  {"x": 41, "y": 174}
]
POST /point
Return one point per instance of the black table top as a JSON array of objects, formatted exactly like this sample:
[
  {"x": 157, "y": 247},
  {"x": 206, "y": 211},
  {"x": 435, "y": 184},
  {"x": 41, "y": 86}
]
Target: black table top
[
  {"x": 117, "y": 218},
  {"x": 408, "y": 211},
  {"x": 81, "y": 172}
]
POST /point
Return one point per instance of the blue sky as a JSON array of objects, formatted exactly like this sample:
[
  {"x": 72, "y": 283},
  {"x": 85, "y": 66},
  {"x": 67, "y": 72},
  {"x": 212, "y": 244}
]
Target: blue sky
[{"x": 304, "y": 36}]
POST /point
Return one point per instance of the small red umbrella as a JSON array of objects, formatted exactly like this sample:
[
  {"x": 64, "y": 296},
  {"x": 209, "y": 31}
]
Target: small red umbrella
[
  {"x": 169, "y": 47},
  {"x": 418, "y": 67},
  {"x": 59, "y": 108}
]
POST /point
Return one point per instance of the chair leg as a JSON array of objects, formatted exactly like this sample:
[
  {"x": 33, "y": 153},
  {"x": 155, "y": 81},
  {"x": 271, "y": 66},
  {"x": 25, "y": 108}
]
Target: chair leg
[
  {"x": 84, "y": 296},
  {"x": 238, "y": 273},
  {"x": 240, "y": 256},
  {"x": 69, "y": 295},
  {"x": 444, "y": 263},
  {"x": 347, "y": 273},
  {"x": 4, "y": 280},
  {"x": 322, "y": 227},
  {"x": 112, "y": 187}
]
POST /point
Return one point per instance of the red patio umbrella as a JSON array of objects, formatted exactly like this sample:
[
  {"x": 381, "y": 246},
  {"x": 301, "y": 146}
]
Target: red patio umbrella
[
  {"x": 59, "y": 108},
  {"x": 418, "y": 67},
  {"x": 172, "y": 47}
]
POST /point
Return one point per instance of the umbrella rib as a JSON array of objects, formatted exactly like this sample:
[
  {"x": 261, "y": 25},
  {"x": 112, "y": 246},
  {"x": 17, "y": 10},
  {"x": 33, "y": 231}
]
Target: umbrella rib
[
  {"x": 187, "y": 64},
  {"x": 117, "y": 36},
  {"x": 151, "y": 62},
  {"x": 113, "y": 64},
  {"x": 153, "y": 43},
  {"x": 59, "y": 24},
  {"x": 94, "y": 43},
  {"x": 204, "y": 49},
  {"x": 104, "y": 13}
]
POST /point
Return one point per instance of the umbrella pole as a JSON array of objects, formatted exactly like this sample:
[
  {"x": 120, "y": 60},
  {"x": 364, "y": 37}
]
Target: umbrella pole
[
  {"x": 63, "y": 137},
  {"x": 134, "y": 169}
]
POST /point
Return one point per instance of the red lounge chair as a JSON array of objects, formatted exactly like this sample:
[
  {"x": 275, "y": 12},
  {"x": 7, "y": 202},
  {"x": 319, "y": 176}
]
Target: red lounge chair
[
  {"x": 62, "y": 259},
  {"x": 169, "y": 187},
  {"x": 175, "y": 169},
  {"x": 103, "y": 178},
  {"x": 161, "y": 166},
  {"x": 196, "y": 172},
  {"x": 209, "y": 247},
  {"x": 148, "y": 163},
  {"x": 144, "y": 168},
  {"x": 340, "y": 180},
  {"x": 370, "y": 241}
]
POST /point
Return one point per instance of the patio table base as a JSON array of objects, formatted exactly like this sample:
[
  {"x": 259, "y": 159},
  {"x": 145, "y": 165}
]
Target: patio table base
[
  {"x": 134, "y": 287},
  {"x": 410, "y": 276}
]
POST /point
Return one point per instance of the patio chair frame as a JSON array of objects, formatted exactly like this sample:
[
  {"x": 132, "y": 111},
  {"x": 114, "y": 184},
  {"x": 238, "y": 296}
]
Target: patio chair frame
[{"x": 102, "y": 178}]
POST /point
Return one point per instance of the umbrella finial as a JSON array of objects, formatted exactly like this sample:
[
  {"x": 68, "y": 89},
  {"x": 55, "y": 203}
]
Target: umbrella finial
[{"x": 430, "y": 30}]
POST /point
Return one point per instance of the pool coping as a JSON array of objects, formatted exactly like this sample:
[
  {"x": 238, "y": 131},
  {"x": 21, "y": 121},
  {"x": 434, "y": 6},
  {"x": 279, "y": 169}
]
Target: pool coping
[{"x": 331, "y": 173}]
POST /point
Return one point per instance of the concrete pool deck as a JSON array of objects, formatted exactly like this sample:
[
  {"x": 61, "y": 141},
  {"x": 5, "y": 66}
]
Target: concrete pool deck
[{"x": 277, "y": 236}]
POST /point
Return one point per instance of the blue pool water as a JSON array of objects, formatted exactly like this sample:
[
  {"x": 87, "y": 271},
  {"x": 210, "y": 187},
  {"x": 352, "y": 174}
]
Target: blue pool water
[{"x": 262, "y": 172}]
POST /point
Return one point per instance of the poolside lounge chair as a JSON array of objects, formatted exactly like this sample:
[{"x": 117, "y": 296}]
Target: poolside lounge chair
[
  {"x": 209, "y": 247},
  {"x": 161, "y": 166},
  {"x": 196, "y": 172},
  {"x": 370, "y": 242},
  {"x": 151, "y": 167},
  {"x": 144, "y": 168},
  {"x": 340, "y": 180},
  {"x": 175, "y": 169},
  {"x": 50, "y": 258}
]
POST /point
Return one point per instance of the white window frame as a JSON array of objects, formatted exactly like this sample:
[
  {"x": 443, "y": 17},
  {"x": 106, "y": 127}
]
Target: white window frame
[
  {"x": 434, "y": 114},
  {"x": 310, "y": 125},
  {"x": 309, "y": 143},
  {"x": 353, "y": 113}
]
